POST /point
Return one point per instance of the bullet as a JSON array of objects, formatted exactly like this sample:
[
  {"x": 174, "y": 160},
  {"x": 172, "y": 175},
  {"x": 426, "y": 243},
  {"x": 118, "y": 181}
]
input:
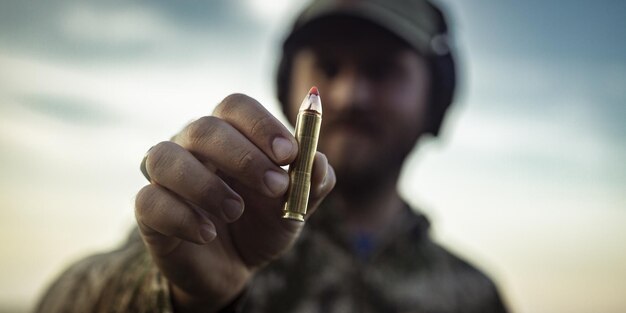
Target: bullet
[{"x": 308, "y": 125}]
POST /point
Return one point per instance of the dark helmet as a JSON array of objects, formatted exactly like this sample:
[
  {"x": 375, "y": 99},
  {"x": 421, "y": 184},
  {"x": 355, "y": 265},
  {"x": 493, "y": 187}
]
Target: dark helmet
[{"x": 419, "y": 23}]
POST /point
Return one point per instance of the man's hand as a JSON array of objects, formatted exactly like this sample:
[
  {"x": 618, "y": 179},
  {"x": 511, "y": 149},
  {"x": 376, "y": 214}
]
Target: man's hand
[{"x": 212, "y": 213}]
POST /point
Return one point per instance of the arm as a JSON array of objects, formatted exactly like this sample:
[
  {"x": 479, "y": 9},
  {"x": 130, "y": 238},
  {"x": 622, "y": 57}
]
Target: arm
[
  {"x": 208, "y": 221},
  {"x": 124, "y": 280}
]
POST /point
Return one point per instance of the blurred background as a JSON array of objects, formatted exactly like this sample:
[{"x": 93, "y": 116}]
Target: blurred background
[{"x": 528, "y": 180}]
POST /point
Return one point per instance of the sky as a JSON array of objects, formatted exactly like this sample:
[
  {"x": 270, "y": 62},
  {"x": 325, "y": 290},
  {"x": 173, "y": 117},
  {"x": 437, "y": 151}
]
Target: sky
[{"x": 527, "y": 180}]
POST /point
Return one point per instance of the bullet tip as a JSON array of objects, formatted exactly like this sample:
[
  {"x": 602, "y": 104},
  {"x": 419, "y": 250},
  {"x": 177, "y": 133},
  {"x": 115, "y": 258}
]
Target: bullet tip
[{"x": 312, "y": 101}]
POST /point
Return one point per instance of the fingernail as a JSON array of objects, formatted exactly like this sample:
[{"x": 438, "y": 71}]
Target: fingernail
[
  {"x": 232, "y": 209},
  {"x": 282, "y": 148},
  {"x": 276, "y": 182},
  {"x": 142, "y": 166},
  {"x": 207, "y": 231}
]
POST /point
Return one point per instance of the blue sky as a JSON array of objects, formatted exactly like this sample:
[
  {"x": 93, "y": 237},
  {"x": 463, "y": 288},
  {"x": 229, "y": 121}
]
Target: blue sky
[{"x": 528, "y": 179}]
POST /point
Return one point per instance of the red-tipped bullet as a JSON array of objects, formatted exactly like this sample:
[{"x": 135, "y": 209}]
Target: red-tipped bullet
[{"x": 312, "y": 101}]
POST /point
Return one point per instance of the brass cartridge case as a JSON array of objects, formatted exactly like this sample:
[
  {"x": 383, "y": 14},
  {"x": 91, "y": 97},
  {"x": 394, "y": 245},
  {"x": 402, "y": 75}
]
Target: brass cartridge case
[{"x": 307, "y": 133}]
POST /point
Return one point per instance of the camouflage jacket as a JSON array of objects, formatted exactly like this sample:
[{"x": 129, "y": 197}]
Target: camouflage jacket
[{"x": 326, "y": 271}]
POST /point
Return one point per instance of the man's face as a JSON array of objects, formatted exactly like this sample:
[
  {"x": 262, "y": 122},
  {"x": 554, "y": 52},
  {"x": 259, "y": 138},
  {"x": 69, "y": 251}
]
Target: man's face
[{"x": 374, "y": 97}]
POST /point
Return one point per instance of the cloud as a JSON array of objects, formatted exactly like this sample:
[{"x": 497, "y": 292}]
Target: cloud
[
  {"x": 114, "y": 31},
  {"x": 69, "y": 109},
  {"x": 130, "y": 26}
]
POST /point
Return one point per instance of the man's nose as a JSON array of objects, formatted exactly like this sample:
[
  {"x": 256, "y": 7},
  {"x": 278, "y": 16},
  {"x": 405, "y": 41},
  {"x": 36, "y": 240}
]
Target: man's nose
[{"x": 350, "y": 90}]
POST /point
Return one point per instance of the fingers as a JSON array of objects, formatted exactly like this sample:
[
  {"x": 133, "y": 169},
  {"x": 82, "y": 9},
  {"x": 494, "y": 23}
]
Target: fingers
[
  {"x": 215, "y": 141},
  {"x": 176, "y": 169},
  {"x": 272, "y": 233},
  {"x": 322, "y": 181},
  {"x": 159, "y": 213},
  {"x": 250, "y": 118}
]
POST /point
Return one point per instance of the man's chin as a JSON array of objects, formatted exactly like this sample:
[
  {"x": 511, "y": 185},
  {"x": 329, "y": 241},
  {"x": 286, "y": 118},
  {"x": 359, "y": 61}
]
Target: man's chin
[
  {"x": 362, "y": 171},
  {"x": 350, "y": 164},
  {"x": 350, "y": 152},
  {"x": 354, "y": 179}
]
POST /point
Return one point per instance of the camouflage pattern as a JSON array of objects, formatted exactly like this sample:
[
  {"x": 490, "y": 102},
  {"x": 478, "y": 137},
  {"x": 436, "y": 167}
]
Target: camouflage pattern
[
  {"x": 401, "y": 271},
  {"x": 328, "y": 271},
  {"x": 124, "y": 280}
]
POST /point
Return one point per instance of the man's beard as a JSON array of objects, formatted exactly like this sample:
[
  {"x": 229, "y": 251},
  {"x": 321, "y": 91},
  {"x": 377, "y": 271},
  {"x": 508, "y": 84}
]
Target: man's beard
[
  {"x": 358, "y": 178},
  {"x": 361, "y": 181}
]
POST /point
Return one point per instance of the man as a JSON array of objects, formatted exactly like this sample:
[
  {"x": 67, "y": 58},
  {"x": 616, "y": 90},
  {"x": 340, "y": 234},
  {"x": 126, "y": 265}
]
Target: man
[{"x": 210, "y": 219}]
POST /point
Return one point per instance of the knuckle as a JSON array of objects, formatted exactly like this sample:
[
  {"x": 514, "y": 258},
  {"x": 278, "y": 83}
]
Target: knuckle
[
  {"x": 208, "y": 192},
  {"x": 231, "y": 103},
  {"x": 199, "y": 130},
  {"x": 144, "y": 201},
  {"x": 261, "y": 126},
  {"x": 180, "y": 222},
  {"x": 152, "y": 207},
  {"x": 245, "y": 161},
  {"x": 178, "y": 171},
  {"x": 160, "y": 158}
]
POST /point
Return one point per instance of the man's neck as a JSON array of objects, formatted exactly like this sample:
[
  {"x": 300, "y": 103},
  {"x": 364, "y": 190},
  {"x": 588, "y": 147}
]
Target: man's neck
[{"x": 369, "y": 212}]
